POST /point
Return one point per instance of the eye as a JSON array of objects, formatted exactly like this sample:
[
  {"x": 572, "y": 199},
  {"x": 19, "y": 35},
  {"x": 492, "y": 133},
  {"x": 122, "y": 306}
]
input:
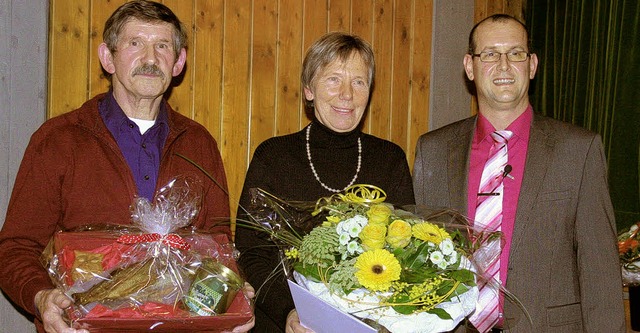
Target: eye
[
  {"x": 489, "y": 54},
  {"x": 360, "y": 83},
  {"x": 333, "y": 79}
]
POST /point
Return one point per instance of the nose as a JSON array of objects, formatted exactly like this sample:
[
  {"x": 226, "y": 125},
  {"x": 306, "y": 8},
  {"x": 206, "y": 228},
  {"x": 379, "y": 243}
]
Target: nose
[
  {"x": 503, "y": 63},
  {"x": 346, "y": 91},
  {"x": 149, "y": 55}
]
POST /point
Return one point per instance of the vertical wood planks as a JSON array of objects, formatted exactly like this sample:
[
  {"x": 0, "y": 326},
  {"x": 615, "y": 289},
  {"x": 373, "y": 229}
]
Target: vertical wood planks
[
  {"x": 235, "y": 100},
  {"x": 339, "y": 15},
  {"x": 69, "y": 54},
  {"x": 264, "y": 73},
  {"x": 402, "y": 38},
  {"x": 381, "y": 99},
  {"x": 206, "y": 46},
  {"x": 289, "y": 110},
  {"x": 420, "y": 85}
]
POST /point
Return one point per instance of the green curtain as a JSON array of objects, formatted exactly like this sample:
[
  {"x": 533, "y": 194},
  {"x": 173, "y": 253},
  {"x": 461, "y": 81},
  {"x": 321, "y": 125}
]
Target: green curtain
[{"x": 589, "y": 75}]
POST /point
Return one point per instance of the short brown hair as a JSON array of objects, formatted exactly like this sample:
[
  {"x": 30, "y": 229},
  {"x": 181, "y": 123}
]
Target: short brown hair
[
  {"x": 332, "y": 46},
  {"x": 146, "y": 11}
]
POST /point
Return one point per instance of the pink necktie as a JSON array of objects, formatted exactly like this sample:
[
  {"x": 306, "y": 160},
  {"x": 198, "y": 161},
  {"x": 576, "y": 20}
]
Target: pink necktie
[{"x": 489, "y": 218}]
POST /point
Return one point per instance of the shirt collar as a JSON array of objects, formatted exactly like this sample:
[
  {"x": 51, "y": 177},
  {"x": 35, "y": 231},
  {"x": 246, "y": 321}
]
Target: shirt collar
[
  {"x": 114, "y": 116},
  {"x": 519, "y": 127}
]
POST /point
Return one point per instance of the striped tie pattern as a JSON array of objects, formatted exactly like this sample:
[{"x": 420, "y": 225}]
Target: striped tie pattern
[{"x": 488, "y": 218}]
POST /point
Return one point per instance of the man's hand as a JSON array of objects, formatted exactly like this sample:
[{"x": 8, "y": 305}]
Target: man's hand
[
  {"x": 51, "y": 304},
  {"x": 293, "y": 324}
]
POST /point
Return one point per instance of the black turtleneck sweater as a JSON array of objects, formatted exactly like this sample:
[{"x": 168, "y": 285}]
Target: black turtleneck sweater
[{"x": 280, "y": 166}]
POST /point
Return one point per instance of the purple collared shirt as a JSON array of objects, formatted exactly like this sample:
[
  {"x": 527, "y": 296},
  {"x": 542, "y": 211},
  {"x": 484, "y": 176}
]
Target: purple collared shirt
[{"x": 141, "y": 151}]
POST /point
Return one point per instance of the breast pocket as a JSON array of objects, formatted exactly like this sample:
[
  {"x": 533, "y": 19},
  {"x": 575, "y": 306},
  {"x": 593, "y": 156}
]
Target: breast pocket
[
  {"x": 567, "y": 318},
  {"x": 554, "y": 196}
]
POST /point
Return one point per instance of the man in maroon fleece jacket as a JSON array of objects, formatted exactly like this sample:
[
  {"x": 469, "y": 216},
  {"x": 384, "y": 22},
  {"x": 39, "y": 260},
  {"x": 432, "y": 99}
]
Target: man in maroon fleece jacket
[{"x": 87, "y": 166}]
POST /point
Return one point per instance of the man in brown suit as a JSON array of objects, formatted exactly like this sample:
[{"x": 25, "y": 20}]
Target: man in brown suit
[{"x": 559, "y": 258}]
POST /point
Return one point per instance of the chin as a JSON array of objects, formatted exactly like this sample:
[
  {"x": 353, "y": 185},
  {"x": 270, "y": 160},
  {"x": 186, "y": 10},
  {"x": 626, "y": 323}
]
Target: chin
[{"x": 342, "y": 129}]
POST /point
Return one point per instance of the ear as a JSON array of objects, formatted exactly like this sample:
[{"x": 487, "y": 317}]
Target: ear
[
  {"x": 308, "y": 94},
  {"x": 468, "y": 66},
  {"x": 533, "y": 65},
  {"x": 179, "y": 65},
  {"x": 106, "y": 58}
]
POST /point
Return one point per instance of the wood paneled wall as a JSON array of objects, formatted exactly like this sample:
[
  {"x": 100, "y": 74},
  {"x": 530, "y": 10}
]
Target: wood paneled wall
[
  {"x": 484, "y": 8},
  {"x": 244, "y": 61}
]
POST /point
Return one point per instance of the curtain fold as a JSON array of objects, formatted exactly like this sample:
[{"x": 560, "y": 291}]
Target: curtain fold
[{"x": 589, "y": 75}]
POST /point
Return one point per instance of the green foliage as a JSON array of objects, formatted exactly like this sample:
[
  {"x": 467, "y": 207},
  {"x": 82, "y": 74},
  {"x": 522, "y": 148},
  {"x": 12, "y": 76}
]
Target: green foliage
[{"x": 319, "y": 247}]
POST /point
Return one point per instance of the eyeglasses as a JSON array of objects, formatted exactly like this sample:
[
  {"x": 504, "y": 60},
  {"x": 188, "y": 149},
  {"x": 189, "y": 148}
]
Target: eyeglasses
[{"x": 492, "y": 56}]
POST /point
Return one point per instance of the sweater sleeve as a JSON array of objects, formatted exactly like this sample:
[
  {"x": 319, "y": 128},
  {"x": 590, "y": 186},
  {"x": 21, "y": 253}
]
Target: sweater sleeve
[
  {"x": 403, "y": 189},
  {"x": 391, "y": 173},
  {"x": 260, "y": 258},
  {"x": 31, "y": 219}
]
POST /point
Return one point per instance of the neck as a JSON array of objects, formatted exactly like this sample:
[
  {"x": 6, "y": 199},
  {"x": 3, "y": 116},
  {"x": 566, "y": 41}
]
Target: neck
[
  {"x": 502, "y": 117},
  {"x": 138, "y": 108}
]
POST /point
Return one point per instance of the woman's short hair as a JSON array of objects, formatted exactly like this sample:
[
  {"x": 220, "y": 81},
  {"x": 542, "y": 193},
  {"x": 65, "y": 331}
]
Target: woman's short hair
[
  {"x": 146, "y": 11},
  {"x": 332, "y": 46}
]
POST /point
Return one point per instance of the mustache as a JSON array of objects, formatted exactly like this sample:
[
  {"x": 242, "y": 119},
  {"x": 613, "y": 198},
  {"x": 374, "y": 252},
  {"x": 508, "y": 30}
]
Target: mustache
[{"x": 147, "y": 69}]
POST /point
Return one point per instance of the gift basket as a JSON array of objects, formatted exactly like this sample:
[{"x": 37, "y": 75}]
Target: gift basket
[
  {"x": 629, "y": 251},
  {"x": 408, "y": 269},
  {"x": 157, "y": 273}
]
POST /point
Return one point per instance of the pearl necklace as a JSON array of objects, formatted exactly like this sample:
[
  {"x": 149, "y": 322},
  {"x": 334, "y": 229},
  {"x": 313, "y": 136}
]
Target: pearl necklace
[{"x": 313, "y": 169}]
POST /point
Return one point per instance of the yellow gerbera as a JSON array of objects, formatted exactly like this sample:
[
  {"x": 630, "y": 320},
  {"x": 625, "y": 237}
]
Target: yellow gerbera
[
  {"x": 429, "y": 232},
  {"x": 376, "y": 269}
]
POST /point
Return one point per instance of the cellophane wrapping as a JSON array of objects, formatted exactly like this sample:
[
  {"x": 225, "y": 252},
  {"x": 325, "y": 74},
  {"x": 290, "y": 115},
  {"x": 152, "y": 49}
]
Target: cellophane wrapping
[{"x": 140, "y": 276}]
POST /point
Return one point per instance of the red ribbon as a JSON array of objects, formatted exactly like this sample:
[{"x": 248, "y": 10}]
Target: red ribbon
[{"x": 172, "y": 240}]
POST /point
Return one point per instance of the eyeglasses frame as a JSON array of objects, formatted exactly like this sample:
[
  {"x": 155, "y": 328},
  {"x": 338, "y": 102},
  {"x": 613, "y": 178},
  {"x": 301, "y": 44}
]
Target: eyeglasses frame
[{"x": 479, "y": 55}]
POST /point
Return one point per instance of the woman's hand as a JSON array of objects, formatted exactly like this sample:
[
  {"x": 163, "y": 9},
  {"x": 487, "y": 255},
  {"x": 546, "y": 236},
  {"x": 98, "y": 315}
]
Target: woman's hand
[
  {"x": 250, "y": 293},
  {"x": 51, "y": 304},
  {"x": 293, "y": 324}
]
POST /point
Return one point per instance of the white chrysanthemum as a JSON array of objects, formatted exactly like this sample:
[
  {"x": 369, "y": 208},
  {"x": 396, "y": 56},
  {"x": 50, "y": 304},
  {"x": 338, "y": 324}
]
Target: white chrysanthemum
[
  {"x": 354, "y": 247},
  {"x": 340, "y": 228},
  {"x": 453, "y": 258},
  {"x": 360, "y": 220},
  {"x": 344, "y": 238},
  {"x": 447, "y": 247},
  {"x": 353, "y": 228},
  {"x": 443, "y": 264},
  {"x": 436, "y": 257}
]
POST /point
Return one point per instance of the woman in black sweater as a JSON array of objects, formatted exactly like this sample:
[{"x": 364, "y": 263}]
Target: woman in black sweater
[{"x": 326, "y": 157}]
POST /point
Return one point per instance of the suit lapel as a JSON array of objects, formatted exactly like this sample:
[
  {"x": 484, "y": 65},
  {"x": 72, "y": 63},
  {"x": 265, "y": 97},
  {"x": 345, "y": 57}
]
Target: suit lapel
[
  {"x": 458, "y": 164},
  {"x": 541, "y": 145}
]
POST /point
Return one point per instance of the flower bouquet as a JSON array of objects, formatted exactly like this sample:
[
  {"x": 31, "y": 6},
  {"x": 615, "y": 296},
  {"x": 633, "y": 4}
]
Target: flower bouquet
[
  {"x": 157, "y": 273},
  {"x": 396, "y": 269},
  {"x": 629, "y": 250}
]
